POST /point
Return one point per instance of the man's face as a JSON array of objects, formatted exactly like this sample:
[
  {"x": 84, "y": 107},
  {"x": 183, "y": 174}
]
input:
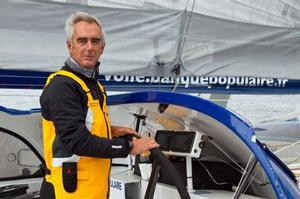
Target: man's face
[{"x": 87, "y": 44}]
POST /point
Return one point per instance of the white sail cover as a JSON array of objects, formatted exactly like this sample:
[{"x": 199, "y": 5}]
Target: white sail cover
[{"x": 257, "y": 38}]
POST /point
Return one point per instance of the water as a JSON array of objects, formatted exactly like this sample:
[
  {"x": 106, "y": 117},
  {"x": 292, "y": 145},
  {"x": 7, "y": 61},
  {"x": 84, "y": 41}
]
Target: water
[
  {"x": 254, "y": 108},
  {"x": 20, "y": 99},
  {"x": 257, "y": 108}
]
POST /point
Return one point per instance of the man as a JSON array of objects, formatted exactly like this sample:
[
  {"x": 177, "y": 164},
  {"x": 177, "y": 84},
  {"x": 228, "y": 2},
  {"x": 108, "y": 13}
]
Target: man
[{"x": 78, "y": 139}]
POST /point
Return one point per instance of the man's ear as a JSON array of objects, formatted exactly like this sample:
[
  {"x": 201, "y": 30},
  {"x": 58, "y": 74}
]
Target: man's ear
[
  {"x": 103, "y": 47},
  {"x": 69, "y": 44}
]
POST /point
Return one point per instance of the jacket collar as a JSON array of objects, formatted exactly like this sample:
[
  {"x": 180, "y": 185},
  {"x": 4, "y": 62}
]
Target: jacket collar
[{"x": 89, "y": 73}]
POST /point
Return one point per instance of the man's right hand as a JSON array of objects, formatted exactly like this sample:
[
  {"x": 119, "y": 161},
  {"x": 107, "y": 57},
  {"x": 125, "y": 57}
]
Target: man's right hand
[{"x": 142, "y": 145}]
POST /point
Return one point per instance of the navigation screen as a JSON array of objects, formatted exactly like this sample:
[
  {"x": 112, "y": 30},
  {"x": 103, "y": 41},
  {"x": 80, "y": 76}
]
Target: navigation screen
[
  {"x": 164, "y": 139},
  {"x": 182, "y": 142},
  {"x": 176, "y": 141}
]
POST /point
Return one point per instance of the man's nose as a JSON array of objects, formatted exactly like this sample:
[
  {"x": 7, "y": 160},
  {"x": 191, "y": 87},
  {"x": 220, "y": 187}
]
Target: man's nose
[{"x": 89, "y": 45}]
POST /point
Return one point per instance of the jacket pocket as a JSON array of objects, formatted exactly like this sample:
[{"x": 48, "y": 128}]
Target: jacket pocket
[{"x": 69, "y": 176}]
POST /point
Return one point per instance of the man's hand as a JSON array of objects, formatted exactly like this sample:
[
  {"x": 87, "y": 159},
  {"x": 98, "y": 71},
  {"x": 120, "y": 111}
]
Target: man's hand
[
  {"x": 142, "y": 145},
  {"x": 117, "y": 131}
]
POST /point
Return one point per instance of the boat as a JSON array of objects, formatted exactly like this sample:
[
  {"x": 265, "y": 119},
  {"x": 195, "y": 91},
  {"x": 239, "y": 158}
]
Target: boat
[
  {"x": 159, "y": 52},
  {"x": 215, "y": 153}
]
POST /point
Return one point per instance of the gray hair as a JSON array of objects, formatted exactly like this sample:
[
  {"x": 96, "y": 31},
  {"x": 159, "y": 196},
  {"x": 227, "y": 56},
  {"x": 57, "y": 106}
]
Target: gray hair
[{"x": 77, "y": 17}]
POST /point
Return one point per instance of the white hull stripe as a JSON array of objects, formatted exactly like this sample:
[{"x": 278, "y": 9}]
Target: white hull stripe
[{"x": 57, "y": 162}]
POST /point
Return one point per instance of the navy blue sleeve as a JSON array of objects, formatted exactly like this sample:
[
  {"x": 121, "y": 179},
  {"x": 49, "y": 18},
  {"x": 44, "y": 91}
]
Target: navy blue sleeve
[{"x": 64, "y": 102}]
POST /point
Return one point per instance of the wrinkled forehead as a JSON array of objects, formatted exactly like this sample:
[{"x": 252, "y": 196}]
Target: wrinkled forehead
[{"x": 86, "y": 29}]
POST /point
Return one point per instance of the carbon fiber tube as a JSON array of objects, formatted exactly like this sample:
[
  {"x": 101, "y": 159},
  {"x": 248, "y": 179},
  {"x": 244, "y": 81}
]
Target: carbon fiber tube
[{"x": 163, "y": 160}]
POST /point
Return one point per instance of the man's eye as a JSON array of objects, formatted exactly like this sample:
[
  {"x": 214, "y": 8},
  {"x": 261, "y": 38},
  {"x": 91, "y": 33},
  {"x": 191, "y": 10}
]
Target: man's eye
[
  {"x": 82, "y": 41},
  {"x": 96, "y": 41},
  {"x": 93, "y": 41}
]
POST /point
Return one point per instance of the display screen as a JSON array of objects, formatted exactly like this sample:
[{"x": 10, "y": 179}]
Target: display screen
[
  {"x": 182, "y": 142},
  {"x": 176, "y": 141},
  {"x": 164, "y": 139}
]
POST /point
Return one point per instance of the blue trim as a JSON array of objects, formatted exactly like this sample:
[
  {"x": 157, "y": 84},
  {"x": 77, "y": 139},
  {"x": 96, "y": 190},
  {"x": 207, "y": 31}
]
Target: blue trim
[
  {"x": 18, "y": 112},
  {"x": 277, "y": 160},
  {"x": 25, "y": 79},
  {"x": 290, "y": 189},
  {"x": 230, "y": 120}
]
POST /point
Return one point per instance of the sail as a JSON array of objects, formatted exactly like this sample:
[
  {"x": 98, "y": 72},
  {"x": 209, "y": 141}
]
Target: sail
[{"x": 219, "y": 42}]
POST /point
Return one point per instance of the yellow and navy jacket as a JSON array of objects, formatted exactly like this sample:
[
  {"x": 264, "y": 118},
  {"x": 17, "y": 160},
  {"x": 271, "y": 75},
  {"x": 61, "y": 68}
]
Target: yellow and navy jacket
[{"x": 78, "y": 146}]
